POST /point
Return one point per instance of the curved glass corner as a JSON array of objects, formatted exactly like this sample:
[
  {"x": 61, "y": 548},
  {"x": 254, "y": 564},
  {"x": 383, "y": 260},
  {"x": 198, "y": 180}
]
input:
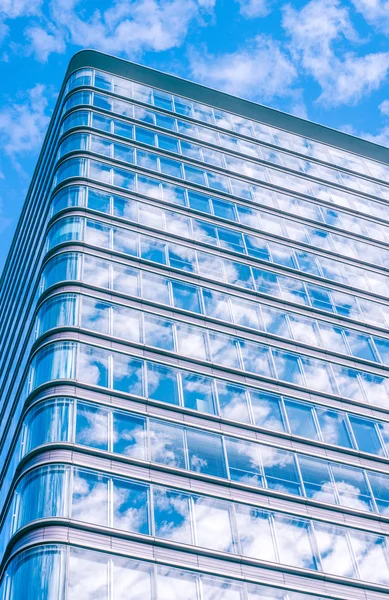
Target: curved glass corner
[{"x": 59, "y": 572}]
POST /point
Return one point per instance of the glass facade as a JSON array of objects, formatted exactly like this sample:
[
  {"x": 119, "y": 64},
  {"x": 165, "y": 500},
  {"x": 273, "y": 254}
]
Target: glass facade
[{"x": 195, "y": 354}]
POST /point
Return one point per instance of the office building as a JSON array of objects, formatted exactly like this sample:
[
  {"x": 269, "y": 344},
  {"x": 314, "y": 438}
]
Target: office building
[{"x": 195, "y": 352}]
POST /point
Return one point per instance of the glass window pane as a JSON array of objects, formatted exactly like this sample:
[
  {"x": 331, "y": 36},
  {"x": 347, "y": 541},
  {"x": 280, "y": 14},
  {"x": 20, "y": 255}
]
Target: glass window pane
[
  {"x": 126, "y": 323},
  {"x": 380, "y": 486},
  {"x": 172, "y": 515},
  {"x": 243, "y": 462},
  {"x": 366, "y": 435},
  {"x": 99, "y": 201},
  {"x": 90, "y": 497},
  {"x": 129, "y": 435},
  {"x": 167, "y": 444},
  {"x": 267, "y": 410},
  {"x": 233, "y": 402},
  {"x": 174, "y": 584},
  {"x": 95, "y": 315},
  {"x": 334, "y": 550},
  {"x": 256, "y": 358},
  {"x": 205, "y": 452},
  {"x": 255, "y": 534},
  {"x": 92, "y": 365},
  {"x": 130, "y": 506},
  {"x": 334, "y": 429},
  {"x": 88, "y": 575},
  {"x": 352, "y": 487},
  {"x": 213, "y": 524},
  {"x": 371, "y": 556},
  {"x": 127, "y": 374},
  {"x": 186, "y": 296},
  {"x": 158, "y": 333},
  {"x": 155, "y": 288},
  {"x": 125, "y": 280},
  {"x": 198, "y": 393},
  {"x": 131, "y": 577},
  {"x": 317, "y": 479},
  {"x": 295, "y": 542},
  {"x": 288, "y": 367},
  {"x": 92, "y": 426},
  {"x": 162, "y": 383},
  {"x": 192, "y": 342},
  {"x": 280, "y": 470},
  {"x": 301, "y": 419},
  {"x": 152, "y": 249}
]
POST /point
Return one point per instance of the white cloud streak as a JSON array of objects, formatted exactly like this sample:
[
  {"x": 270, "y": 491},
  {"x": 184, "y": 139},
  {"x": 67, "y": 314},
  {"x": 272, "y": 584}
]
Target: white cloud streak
[
  {"x": 314, "y": 32},
  {"x": 254, "y": 8},
  {"x": 19, "y": 8},
  {"x": 260, "y": 71},
  {"x": 23, "y": 125},
  {"x": 128, "y": 27},
  {"x": 376, "y": 12}
]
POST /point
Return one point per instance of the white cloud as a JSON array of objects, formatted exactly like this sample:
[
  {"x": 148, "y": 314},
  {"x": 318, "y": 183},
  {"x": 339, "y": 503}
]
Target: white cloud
[
  {"x": 314, "y": 31},
  {"x": 260, "y": 71},
  {"x": 44, "y": 43},
  {"x": 382, "y": 137},
  {"x": 384, "y": 107},
  {"x": 23, "y": 125},
  {"x": 376, "y": 12},
  {"x": 128, "y": 28},
  {"x": 254, "y": 8},
  {"x": 19, "y": 8}
]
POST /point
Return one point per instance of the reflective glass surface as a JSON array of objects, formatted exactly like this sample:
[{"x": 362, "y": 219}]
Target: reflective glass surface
[
  {"x": 203, "y": 521},
  {"x": 76, "y": 573},
  {"x": 201, "y": 451},
  {"x": 207, "y": 394}
]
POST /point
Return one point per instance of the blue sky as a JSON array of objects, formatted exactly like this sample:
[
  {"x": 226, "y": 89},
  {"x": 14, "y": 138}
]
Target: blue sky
[{"x": 325, "y": 60}]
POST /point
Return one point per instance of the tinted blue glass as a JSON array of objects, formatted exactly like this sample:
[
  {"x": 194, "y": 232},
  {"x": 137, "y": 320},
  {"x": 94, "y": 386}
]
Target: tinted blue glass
[
  {"x": 301, "y": 419},
  {"x": 162, "y": 383},
  {"x": 92, "y": 365},
  {"x": 243, "y": 462},
  {"x": 131, "y": 506},
  {"x": 172, "y": 515},
  {"x": 257, "y": 248},
  {"x": 199, "y": 202},
  {"x": 152, "y": 249},
  {"x": 90, "y": 497},
  {"x": 159, "y": 333},
  {"x": 186, "y": 296},
  {"x": 129, "y": 435},
  {"x": 124, "y": 129},
  {"x": 181, "y": 258},
  {"x": 317, "y": 479},
  {"x": 334, "y": 428},
  {"x": 380, "y": 487},
  {"x": 127, "y": 374},
  {"x": 280, "y": 470},
  {"x": 266, "y": 282},
  {"x": 61, "y": 268},
  {"x": 145, "y": 136},
  {"x": 366, "y": 435},
  {"x": 198, "y": 393},
  {"x": 167, "y": 444},
  {"x": 206, "y": 453},
  {"x": 288, "y": 366},
  {"x": 92, "y": 426},
  {"x": 233, "y": 402},
  {"x": 99, "y": 201},
  {"x": 224, "y": 209},
  {"x": 267, "y": 411},
  {"x": 167, "y": 142},
  {"x": 48, "y": 423}
]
